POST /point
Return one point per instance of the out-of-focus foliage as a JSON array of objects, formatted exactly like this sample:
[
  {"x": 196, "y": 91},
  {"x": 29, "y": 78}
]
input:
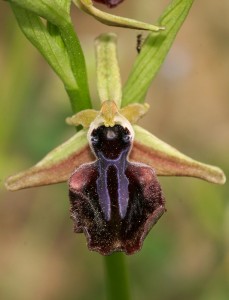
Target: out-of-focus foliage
[{"x": 186, "y": 254}]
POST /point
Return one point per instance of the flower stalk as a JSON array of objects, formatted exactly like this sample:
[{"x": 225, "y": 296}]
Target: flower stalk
[{"x": 117, "y": 282}]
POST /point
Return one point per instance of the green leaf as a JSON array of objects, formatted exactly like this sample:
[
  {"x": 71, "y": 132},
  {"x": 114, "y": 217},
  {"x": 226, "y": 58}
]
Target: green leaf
[
  {"x": 154, "y": 51},
  {"x": 54, "y": 31},
  {"x": 56, "y": 166},
  {"x": 168, "y": 161},
  {"x": 66, "y": 4},
  {"x": 78, "y": 65},
  {"x": 58, "y": 43},
  {"x": 35, "y": 30},
  {"x": 52, "y": 10}
]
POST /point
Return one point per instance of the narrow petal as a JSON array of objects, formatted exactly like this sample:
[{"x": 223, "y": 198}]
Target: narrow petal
[
  {"x": 168, "y": 161},
  {"x": 55, "y": 167},
  {"x": 135, "y": 111},
  {"x": 84, "y": 118}
]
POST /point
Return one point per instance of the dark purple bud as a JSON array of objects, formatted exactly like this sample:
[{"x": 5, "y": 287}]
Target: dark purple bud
[
  {"x": 109, "y": 3},
  {"x": 114, "y": 202}
]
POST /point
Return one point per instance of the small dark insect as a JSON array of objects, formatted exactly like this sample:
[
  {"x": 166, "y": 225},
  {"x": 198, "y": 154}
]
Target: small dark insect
[
  {"x": 110, "y": 3},
  {"x": 139, "y": 42}
]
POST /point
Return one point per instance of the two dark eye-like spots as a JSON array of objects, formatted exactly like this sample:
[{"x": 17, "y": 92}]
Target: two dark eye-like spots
[
  {"x": 111, "y": 142},
  {"x": 106, "y": 134}
]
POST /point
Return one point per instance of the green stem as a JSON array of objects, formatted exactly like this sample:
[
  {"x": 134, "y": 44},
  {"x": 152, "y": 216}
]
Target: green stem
[
  {"x": 117, "y": 277},
  {"x": 76, "y": 56},
  {"x": 74, "y": 95}
]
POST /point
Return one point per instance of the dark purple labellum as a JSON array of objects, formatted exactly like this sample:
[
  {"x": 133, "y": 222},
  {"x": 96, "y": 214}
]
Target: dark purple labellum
[
  {"x": 113, "y": 201},
  {"x": 111, "y": 146},
  {"x": 110, "y": 3}
]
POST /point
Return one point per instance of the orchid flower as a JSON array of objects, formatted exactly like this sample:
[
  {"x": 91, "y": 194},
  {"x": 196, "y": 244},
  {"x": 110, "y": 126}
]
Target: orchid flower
[{"x": 112, "y": 165}]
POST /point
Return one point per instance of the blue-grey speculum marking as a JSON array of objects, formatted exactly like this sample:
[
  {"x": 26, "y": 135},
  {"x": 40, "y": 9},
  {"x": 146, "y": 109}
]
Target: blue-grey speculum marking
[{"x": 111, "y": 146}]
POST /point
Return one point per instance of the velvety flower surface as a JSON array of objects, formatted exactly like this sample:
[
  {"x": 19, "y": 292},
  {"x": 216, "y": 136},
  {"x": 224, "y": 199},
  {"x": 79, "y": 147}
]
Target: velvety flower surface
[{"x": 113, "y": 201}]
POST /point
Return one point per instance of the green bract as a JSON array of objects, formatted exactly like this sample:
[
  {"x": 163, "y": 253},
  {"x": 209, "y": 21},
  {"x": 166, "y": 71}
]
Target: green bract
[
  {"x": 57, "y": 42},
  {"x": 112, "y": 20},
  {"x": 154, "y": 51}
]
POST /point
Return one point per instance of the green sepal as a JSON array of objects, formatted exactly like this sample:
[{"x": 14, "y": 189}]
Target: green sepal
[
  {"x": 56, "y": 166},
  {"x": 54, "y": 11},
  {"x": 108, "y": 75},
  {"x": 167, "y": 161},
  {"x": 57, "y": 42}
]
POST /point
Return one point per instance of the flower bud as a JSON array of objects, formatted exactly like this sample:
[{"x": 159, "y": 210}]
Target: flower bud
[{"x": 110, "y": 3}]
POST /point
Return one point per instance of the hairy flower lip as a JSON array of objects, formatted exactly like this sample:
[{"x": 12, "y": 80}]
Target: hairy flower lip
[
  {"x": 126, "y": 233},
  {"x": 119, "y": 247}
]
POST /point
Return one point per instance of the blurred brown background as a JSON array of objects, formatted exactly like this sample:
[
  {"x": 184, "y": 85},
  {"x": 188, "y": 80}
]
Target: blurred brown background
[{"x": 186, "y": 254}]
